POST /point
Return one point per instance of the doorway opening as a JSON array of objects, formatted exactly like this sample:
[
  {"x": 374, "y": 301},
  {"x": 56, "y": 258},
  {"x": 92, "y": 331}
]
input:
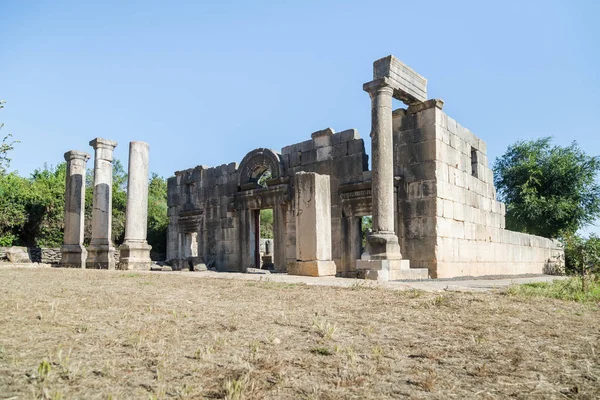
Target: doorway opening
[
  {"x": 366, "y": 227},
  {"x": 262, "y": 238}
]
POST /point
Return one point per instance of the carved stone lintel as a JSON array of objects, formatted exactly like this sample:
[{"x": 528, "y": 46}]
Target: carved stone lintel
[{"x": 424, "y": 105}]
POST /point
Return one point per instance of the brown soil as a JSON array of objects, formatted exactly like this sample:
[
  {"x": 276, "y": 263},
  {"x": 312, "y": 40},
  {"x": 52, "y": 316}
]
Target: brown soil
[{"x": 99, "y": 334}]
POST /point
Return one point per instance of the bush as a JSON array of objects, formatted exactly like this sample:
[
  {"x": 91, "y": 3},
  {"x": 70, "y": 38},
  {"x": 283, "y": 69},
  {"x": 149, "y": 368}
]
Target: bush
[{"x": 582, "y": 256}]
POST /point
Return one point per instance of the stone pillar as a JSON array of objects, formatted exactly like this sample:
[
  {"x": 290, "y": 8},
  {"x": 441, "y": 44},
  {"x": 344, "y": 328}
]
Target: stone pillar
[
  {"x": 73, "y": 253},
  {"x": 313, "y": 226},
  {"x": 135, "y": 250},
  {"x": 101, "y": 250},
  {"x": 383, "y": 244}
]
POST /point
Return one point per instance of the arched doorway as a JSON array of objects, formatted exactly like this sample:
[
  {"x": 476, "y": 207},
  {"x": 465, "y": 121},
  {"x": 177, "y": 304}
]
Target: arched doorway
[{"x": 263, "y": 185}]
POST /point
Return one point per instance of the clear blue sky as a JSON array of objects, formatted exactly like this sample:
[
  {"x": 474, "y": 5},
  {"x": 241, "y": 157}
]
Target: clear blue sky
[{"x": 204, "y": 82}]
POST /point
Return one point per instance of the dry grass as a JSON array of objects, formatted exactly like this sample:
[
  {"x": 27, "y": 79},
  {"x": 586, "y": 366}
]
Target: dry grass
[{"x": 110, "y": 335}]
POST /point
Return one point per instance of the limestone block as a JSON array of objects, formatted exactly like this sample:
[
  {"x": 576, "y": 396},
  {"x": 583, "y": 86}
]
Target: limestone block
[
  {"x": 439, "y": 208},
  {"x": 16, "y": 254},
  {"x": 448, "y": 209},
  {"x": 425, "y": 151},
  {"x": 349, "y": 135},
  {"x": 409, "y": 86},
  {"x": 441, "y": 171},
  {"x": 307, "y": 145},
  {"x": 452, "y": 126},
  {"x": 313, "y": 217},
  {"x": 324, "y": 153},
  {"x": 482, "y": 146},
  {"x": 322, "y": 141},
  {"x": 415, "y": 190},
  {"x": 290, "y": 149},
  {"x": 428, "y": 132},
  {"x": 421, "y": 171},
  {"x": 356, "y": 146},
  {"x": 312, "y": 268},
  {"x": 470, "y": 231},
  {"x": 295, "y": 159},
  {"x": 308, "y": 157},
  {"x": 340, "y": 150},
  {"x": 458, "y": 211},
  {"x": 427, "y": 117}
]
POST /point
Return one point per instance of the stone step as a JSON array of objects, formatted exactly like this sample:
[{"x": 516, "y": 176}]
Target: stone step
[{"x": 412, "y": 274}]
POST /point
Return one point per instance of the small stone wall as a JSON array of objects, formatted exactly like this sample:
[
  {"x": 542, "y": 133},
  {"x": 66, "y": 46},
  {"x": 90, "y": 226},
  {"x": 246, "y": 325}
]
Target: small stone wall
[{"x": 52, "y": 255}]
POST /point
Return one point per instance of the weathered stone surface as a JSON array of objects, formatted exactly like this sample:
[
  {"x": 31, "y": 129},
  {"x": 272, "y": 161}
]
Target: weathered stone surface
[
  {"x": 313, "y": 217},
  {"x": 73, "y": 252},
  {"x": 408, "y": 86},
  {"x": 135, "y": 251},
  {"x": 18, "y": 254},
  {"x": 101, "y": 250},
  {"x": 430, "y": 192},
  {"x": 312, "y": 268}
]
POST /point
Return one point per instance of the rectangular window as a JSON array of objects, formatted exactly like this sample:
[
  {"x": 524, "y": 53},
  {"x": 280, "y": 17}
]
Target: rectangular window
[{"x": 474, "y": 162}]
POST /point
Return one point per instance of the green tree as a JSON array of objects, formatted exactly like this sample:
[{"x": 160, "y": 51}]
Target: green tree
[
  {"x": 158, "y": 221},
  {"x": 6, "y": 146},
  {"x": 266, "y": 223},
  {"x": 14, "y": 197},
  {"x": 32, "y": 209},
  {"x": 548, "y": 190},
  {"x": 46, "y": 208}
]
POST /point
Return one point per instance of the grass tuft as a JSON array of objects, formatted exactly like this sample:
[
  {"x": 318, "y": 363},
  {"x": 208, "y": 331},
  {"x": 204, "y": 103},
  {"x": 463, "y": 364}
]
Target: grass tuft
[{"x": 567, "y": 289}]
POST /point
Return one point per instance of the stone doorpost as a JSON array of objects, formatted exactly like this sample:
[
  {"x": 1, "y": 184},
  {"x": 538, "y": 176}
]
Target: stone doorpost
[{"x": 313, "y": 226}]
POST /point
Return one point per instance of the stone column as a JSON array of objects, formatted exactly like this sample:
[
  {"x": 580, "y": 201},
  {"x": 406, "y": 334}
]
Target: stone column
[
  {"x": 383, "y": 241},
  {"x": 101, "y": 250},
  {"x": 73, "y": 253},
  {"x": 384, "y": 250},
  {"x": 135, "y": 251},
  {"x": 313, "y": 226}
]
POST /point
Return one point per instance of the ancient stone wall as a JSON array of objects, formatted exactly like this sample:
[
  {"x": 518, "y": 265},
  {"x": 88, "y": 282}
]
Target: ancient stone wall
[
  {"x": 213, "y": 208},
  {"x": 453, "y": 223}
]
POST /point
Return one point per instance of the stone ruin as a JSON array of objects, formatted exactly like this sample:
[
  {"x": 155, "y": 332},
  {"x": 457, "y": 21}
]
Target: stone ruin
[
  {"x": 134, "y": 252},
  {"x": 430, "y": 194}
]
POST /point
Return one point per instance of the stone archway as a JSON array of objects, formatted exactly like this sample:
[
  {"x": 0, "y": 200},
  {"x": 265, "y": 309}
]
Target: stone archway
[{"x": 256, "y": 163}]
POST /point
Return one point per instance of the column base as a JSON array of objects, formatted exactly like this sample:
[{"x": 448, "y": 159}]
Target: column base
[
  {"x": 73, "y": 256},
  {"x": 135, "y": 256},
  {"x": 101, "y": 256},
  {"x": 312, "y": 268},
  {"x": 384, "y": 246}
]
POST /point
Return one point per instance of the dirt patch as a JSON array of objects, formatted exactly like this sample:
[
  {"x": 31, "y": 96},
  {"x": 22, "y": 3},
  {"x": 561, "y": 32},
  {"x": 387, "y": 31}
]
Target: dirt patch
[{"x": 99, "y": 334}]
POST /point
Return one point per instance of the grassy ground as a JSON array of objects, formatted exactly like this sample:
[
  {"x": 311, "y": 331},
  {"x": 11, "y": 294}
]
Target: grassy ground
[
  {"x": 570, "y": 289},
  {"x": 107, "y": 335}
]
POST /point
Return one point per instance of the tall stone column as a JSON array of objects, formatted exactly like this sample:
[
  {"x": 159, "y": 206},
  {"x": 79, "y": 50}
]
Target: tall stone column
[
  {"x": 135, "y": 251},
  {"x": 73, "y": 253},
  {"x": 383, "y": 242},
  {"x": 384, "y": 249},
  {"x": 101, "y": 252}
]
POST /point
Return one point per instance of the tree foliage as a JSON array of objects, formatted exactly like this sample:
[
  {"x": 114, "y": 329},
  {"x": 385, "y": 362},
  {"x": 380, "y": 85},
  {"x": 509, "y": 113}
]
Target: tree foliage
[
  {"x": 6, "y": 146},
  {"x": 549, "y": 190},
  {"x": 266, "y": 223},
  {"x": 32, "y": 209},
  {"x": 158, "y": 221}
]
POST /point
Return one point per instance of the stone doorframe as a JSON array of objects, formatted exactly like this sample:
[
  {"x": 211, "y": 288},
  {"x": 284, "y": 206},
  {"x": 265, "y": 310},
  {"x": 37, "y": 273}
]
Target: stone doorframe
[
  {"x": 251, "y": 197},
  {"x": 356, "y": 203},
  {"x": 191, "y": 222}
]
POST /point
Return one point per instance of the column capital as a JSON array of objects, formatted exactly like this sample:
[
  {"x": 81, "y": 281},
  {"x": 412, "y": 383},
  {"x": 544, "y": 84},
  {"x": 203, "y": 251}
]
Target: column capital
[
  {"x": 100, "y": 143},
  {"x": 379, "y": 85},
  {"x": 76, "y": 155}
]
